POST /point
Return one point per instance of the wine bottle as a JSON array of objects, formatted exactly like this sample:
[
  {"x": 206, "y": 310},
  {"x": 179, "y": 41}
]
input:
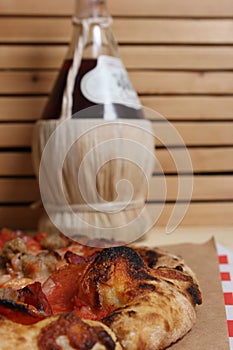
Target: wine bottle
[
  {"x": 93, "y": 73},
  {"x": 93, "y": 135}
]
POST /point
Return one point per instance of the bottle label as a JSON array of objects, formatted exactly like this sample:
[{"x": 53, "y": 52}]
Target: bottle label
[{"x": 108, "y": 83}]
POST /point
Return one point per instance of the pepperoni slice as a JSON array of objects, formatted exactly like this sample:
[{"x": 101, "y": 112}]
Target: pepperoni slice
[
  {"x": 32, "y": 294},
  {"x": 29, "y": 306},
  {"x": 20, "y": 313},
  {"x": 61, "y": 287}
]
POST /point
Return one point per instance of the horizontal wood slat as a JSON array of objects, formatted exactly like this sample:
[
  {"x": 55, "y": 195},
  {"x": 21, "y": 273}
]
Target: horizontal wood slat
[
  {"x": 21, "y": 108},
  {"x": 182, "y": 83},
  {"x": 134, "y": 57},
  {"x": 215, "y": 159},
  {"x": 178, "y": 107},
  {"x": 41, "y": 82},
  {"x": 204, "y": 188},
  {"x": 191, "y": 107},
  {"x": 26, "y": 82},
  {"x": 18, "y": 190},
  {"x": 16, "y": 164},
  {"x": 199, "y": 8},
  {"x": 219, "y": 187},
  {"x": 16, "y": 135},
  {"x": 32, "y": 56},
  {"x": 193, "y": 134},
  {"x": 176, "y": 31},
  {"x": 20, "y": 217},
  {"x": 218, "y": 214},
  {"x": 177, "y": 57}
]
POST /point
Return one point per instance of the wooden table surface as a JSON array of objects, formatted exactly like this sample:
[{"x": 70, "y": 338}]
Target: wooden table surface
[{"x": 190, "y": 234}]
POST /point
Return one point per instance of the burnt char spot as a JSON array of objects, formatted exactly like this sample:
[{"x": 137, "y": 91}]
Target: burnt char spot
[
  {"x": 167, "y": 326},
  {"x": 114, "y": 253},
  {"x": 9, "y": 304},
  {"x": 169, "y": 282},
  {"x": 179, "y": 268},
  {"x": 105, "y": 339},
  {"x": 195, "y": 293},
  {"x": 26, "y": 290},
  {"x": 134, "y": 264},
  {"x": 102, "y": 273},
  {"x": 131, "y": 313},
  {"x": 146, "y": 286},
  {"x": 20, "y": 313},
  {"x": 111, "y": 318},
  {"x": 21, "y": 339},
  {"x": 150, "y": 257}
]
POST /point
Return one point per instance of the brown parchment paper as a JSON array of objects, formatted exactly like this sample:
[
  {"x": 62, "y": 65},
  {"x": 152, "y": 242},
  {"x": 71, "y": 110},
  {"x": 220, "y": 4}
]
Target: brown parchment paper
[{"x": 210, "y": 331}]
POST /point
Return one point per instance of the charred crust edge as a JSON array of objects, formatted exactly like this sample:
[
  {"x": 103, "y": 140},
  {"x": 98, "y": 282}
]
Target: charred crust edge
[{"x": 195, "y": 294}]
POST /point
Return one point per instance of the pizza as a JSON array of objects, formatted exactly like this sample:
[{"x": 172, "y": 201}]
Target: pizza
[{"x": 57, "y": 294}]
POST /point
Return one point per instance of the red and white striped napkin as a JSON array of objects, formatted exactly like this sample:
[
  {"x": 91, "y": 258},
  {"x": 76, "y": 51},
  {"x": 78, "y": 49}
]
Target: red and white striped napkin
[{"x": 226, "y": 269}]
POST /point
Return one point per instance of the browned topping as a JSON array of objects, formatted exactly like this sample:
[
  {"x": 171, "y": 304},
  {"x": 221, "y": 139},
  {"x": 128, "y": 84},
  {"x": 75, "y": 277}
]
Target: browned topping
[
  {"x": 55, "y": 241},
  {"x": 49, "y": 334},
  {"x": 13, "y": 247},
  {"x": 80, "y": 335},
  {"x": 37, "y": 267}
]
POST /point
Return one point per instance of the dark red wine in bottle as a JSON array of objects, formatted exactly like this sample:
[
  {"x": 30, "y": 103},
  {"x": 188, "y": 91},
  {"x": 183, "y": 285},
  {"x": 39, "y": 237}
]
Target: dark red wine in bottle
[
  {"x": 99, "y": 82},
  {"x": 80, "y": 102}
]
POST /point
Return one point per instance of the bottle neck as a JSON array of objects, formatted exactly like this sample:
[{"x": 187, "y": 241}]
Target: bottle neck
[
  {"x": 90, "y": 9},
  {"x": 92, "y": 22}
]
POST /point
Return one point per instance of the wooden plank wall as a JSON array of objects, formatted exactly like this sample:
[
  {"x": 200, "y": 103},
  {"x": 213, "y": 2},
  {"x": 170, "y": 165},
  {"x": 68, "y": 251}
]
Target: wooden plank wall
[{"x": 179, "y": 55}]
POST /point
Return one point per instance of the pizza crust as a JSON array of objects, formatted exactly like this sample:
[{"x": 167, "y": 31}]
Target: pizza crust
[
  {"x": 154, "y": 321},
  {"x": 16, "y": 336}
]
